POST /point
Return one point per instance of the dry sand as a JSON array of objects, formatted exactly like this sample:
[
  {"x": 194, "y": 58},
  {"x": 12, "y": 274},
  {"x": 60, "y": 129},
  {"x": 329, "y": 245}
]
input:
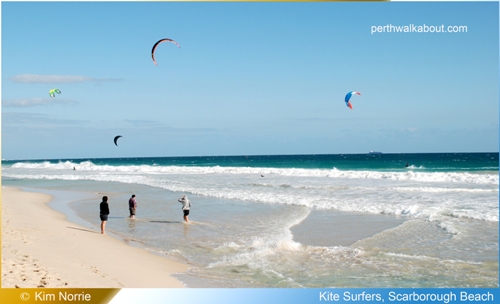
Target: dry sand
[{"x": 40, "y": 248}]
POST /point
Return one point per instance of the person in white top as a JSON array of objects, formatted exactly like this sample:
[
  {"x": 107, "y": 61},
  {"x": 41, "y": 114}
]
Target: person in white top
[{"x": 186, "y": 205}]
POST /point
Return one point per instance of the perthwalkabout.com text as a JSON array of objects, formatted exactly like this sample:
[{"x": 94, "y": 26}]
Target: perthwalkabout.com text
[{"x": 424, "y": 28}]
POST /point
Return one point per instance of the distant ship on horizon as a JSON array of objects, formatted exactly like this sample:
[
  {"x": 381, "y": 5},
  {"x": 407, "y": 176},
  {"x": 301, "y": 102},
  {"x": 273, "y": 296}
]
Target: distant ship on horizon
[{"x": 374, "y": 152}]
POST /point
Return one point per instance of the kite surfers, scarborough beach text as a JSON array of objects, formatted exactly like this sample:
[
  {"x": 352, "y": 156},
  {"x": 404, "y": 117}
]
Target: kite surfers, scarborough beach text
[
  {"x": 412, "y": 28},
  {"x": 393, "y": 296}
]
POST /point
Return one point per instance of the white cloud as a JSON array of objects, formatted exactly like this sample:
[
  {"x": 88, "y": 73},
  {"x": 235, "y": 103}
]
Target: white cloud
[
  {"x": 29, "y": 102},
  {"x": 36, "y": 119},
  {"x": 409, "y": 129},
  {"x": 33, "y": 78},
  {"x": 142, "y": 123}
]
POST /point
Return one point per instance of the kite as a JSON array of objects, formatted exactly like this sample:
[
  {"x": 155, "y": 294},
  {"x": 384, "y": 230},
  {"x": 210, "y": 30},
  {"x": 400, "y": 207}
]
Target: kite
[
  {"x": 53, "y": 92},
  {"x": 116, "y": 139},
  {"x": 156, "y": 44},
  {"x": 348, "y": 98}
]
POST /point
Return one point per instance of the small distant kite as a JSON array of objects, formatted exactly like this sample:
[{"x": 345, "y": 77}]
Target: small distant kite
[
  {"x": 53, "y": 92},
  {"x": 348, "y": 98},
  {"x": 156, "y": 44},
  {"x": 116, "y": 139}
]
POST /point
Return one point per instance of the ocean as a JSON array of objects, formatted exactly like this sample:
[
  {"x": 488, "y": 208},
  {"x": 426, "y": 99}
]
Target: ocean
[{"x": 298, "y": 221}]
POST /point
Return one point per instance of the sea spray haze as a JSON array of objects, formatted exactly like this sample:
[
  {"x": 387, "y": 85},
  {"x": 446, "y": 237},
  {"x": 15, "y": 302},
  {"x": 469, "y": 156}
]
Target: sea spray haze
[{"x": 354, "y": 220}]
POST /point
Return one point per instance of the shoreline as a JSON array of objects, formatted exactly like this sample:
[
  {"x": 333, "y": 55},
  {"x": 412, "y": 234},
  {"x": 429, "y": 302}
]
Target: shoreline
[{"x": 42, "y": 248}]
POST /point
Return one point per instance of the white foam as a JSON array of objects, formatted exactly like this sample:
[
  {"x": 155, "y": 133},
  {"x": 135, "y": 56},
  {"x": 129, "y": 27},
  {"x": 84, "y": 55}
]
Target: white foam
[
  {"x": 429, "y": 258},
  {"x": 434, "y": 196},
  {"x": 452, "y": 177},
  {"x": 259, "y": 251}
]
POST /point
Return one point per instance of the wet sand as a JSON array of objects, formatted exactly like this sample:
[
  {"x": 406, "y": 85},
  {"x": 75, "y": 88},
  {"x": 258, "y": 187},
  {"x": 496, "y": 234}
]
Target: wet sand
[{"x": 41, "y": 248}]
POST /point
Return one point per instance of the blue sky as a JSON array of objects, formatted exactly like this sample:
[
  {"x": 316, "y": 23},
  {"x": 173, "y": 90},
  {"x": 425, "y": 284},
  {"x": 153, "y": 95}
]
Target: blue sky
[{"x": 249, "y": 78}]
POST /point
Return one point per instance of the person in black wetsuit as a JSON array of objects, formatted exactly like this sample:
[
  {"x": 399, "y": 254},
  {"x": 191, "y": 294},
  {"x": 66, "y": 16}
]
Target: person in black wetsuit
[{"x": 104, "y": 212}]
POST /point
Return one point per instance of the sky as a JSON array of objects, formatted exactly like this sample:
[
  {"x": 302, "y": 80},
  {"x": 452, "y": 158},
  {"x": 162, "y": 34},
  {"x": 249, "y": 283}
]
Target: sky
[{"x": 248, "y": 79}]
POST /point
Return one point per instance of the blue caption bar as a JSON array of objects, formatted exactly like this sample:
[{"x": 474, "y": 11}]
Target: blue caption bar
[{"x": 319, "y": 295}]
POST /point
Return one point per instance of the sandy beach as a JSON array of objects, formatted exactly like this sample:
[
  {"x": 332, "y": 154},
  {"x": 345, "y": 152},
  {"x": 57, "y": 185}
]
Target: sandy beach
[{"x": 40, "y": 248}]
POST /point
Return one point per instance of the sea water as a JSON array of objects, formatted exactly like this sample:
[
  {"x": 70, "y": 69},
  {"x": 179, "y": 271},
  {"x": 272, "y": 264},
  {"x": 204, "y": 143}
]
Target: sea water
[{"x": 358, "y": 220}]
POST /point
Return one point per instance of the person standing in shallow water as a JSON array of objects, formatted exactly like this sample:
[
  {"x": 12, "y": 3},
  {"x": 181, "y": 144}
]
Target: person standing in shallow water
[
  {"x": 186, "y": 205},
  {"x": 132, "y": 206},
  {"x": 104, "y": 212}
]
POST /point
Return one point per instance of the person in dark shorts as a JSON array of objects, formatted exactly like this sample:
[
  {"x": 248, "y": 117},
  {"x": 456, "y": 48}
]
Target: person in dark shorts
[
  {"x": 104, "y": 212},
  {"x": 186, "y": 205},
  {"x": 132, "y": 206}
]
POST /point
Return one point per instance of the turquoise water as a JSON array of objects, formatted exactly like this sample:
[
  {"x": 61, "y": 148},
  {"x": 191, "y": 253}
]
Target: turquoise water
[
  {"x": 358, "y": 220},
  {"x": 428, "y": 162}
]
